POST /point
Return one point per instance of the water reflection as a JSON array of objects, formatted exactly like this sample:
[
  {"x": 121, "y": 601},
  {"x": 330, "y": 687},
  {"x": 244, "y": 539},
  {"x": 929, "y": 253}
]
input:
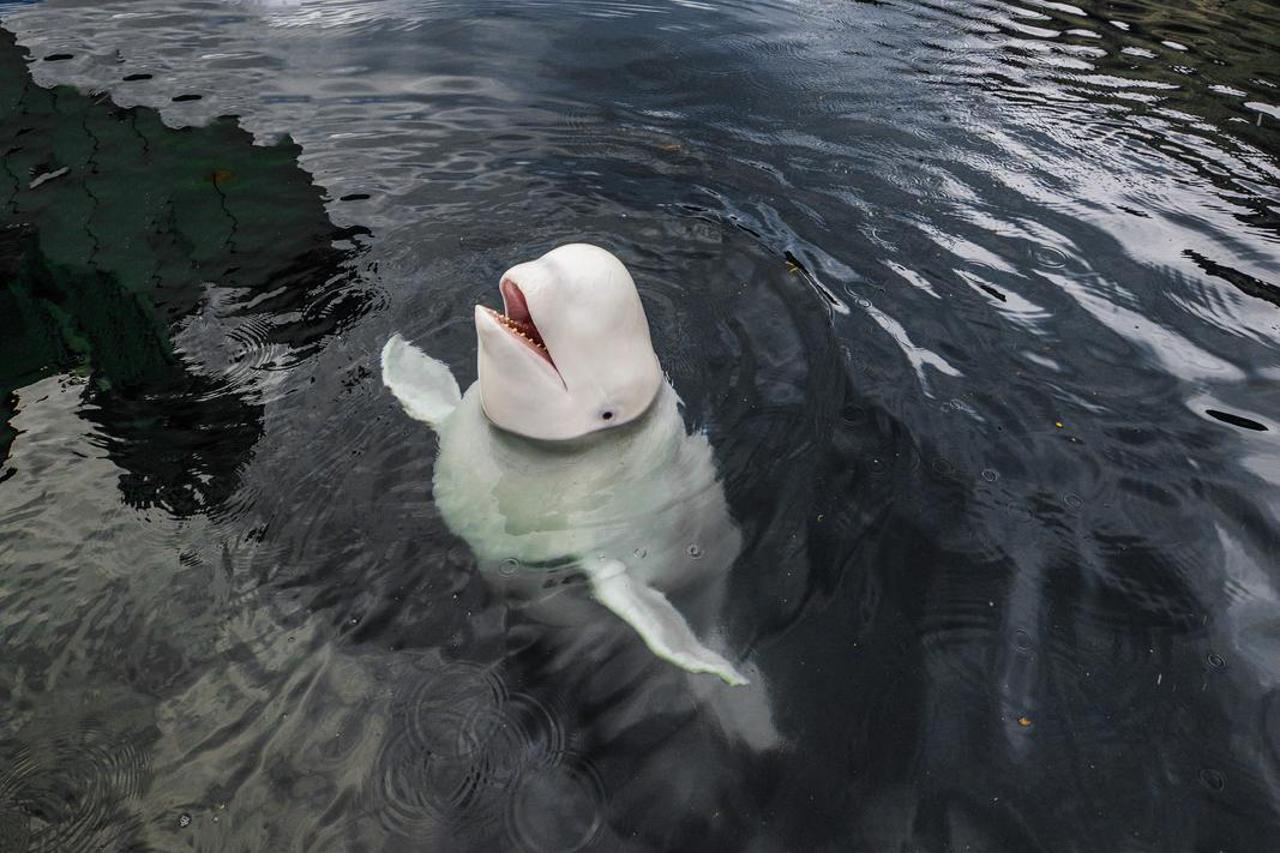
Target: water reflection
[
  {"x": 955, "y": 290},
  {"x": 118, "y": 230}
]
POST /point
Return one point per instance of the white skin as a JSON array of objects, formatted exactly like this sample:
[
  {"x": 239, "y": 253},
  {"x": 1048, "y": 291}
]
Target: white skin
[
  {"x": 611, "y": 484},
  {"x": 602, "y": 371}
]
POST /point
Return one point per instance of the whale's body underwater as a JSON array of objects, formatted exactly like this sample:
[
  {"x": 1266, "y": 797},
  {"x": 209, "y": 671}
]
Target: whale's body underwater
[{"x": 629, "y": 502}]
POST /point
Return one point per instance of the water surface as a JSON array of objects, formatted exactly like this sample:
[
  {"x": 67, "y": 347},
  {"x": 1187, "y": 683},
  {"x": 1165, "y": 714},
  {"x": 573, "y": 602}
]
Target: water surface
[{"x": 978, "y": 304}]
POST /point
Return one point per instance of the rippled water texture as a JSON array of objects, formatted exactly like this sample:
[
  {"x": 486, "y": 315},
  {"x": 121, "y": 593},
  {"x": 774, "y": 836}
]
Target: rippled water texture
[{"x": 978, "y": 304}]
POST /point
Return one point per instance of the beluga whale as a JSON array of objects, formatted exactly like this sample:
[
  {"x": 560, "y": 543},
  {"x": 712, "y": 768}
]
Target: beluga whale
[{"x": 569, "y": 457}]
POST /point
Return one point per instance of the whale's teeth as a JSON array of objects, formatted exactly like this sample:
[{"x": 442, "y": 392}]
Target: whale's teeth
[{"x": 520, "y": 328}]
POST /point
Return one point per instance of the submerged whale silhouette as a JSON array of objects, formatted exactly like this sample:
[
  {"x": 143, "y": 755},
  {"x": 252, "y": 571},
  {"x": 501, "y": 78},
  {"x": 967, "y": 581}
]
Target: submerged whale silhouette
[{"x": 569, "y": 454}]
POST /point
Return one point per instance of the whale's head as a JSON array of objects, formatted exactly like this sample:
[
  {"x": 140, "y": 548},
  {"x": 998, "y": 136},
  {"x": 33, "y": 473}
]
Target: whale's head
[{"x": 570, "y": 352}]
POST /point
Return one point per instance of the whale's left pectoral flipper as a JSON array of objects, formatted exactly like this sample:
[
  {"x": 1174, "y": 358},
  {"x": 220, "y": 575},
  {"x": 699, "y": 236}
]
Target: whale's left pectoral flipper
[
  {"x": 662, "y": 627},
  {"x": 424, "y": 386}
]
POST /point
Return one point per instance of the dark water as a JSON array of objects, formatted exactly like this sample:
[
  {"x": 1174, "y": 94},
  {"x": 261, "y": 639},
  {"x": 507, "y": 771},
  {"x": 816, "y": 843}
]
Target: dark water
[{"x": 978, "y": 304}]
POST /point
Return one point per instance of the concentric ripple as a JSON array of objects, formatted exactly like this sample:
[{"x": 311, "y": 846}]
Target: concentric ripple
[
  {"x": 75, "y": 791},
  {"x": 556, "y": 808},
  {"x": 462, "y": 746}
]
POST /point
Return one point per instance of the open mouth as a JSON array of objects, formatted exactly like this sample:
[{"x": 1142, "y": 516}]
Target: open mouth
[{"x": 517, "y": 320}]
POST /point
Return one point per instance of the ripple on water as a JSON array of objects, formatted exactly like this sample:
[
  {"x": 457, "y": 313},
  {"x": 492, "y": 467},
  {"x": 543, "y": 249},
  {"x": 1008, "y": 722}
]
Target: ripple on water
[
  {"x": 438, "y": 709},
  {"x": 1048, "y": 256},
  {"x": 419, "y": 792},
  {"x": 556, "y": 809},
  {"x": 463, "y": 748},
  {"x": 69, "y": 792},
  {"x": 959, "y": 632}
]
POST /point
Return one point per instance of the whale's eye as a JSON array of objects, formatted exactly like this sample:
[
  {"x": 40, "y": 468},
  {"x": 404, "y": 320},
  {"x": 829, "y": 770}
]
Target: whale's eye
[{"x": 608, "y": 416}]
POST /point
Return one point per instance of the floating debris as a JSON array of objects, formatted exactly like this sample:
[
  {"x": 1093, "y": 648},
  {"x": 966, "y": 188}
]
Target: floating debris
[{"x": 46, "y": 177}]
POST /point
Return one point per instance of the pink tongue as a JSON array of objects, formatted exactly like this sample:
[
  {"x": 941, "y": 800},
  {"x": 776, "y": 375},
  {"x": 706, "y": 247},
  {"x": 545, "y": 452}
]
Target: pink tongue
[{"x": 513, "y": 302}]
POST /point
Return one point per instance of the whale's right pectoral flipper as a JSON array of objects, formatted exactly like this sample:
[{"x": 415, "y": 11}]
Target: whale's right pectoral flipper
[
  {"x": 424, "y": 386},
  {"x": 662, "y": 627}
]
